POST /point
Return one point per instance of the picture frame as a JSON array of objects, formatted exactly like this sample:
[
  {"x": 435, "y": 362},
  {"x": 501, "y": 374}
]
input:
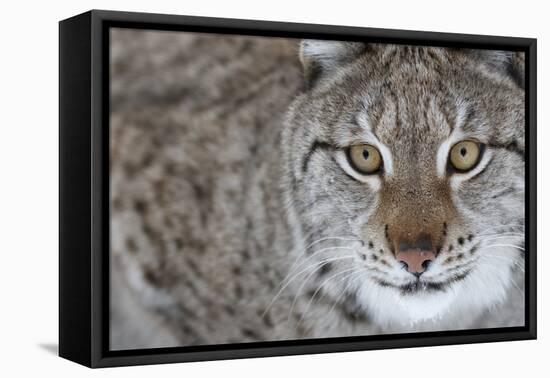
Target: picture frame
[{"x": 84, "y": 232}]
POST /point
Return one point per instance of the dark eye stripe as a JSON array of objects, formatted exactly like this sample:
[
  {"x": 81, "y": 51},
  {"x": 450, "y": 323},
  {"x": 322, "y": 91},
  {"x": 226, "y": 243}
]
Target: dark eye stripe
[
  {"x": 316, "y": 145},
  {"x": 511, "y": 147}
]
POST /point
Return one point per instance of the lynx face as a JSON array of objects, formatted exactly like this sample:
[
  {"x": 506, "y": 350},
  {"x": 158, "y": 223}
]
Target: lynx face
[{"x": 406, "y": 175}]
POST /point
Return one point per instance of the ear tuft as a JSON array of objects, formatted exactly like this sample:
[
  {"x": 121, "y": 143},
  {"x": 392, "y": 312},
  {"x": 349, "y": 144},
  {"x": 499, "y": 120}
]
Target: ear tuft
[
  {"x": 320, "y": 58},
  {"x": 508, "y": 63}
]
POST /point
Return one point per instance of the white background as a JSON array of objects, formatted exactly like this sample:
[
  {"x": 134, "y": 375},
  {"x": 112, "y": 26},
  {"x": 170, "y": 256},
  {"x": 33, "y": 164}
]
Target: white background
[{"x": 29, "y": 187}]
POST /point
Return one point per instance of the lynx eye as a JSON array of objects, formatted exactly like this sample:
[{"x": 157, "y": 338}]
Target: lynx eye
[
  {"x": 465, "y": 155},
  {"x": 365, "y": 158}
]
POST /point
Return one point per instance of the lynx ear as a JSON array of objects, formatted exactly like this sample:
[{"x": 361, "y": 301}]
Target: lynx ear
[
  {"x": 508, "y": 63},
  {"x": 320, "y": 58}
]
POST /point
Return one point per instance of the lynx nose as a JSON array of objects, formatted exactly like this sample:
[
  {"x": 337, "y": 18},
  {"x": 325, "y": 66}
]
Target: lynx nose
[
  {"x": 415, "y": 260},
  {"x": 416, "y": 256}
]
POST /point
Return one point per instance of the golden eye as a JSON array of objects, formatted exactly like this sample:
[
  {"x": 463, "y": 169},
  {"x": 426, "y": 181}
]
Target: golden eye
[
  {"x": 365, "y": 158},
  {"x": 464, "y": 155}
]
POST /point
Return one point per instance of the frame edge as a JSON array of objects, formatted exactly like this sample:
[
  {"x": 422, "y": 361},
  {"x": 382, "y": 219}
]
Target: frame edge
[{"x": 74, "y": 189}]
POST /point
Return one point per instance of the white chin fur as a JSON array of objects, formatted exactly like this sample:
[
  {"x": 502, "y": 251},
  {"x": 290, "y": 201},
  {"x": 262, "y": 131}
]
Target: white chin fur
[
  {"x": 457, "y": 307},
  {"x": 389, "y": 307}
]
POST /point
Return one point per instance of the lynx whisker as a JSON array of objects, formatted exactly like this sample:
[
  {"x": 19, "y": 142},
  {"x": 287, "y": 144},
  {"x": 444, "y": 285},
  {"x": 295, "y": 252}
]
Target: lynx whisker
[
  {"x": 328, "y": 238},
  {"x": 504, "y": 238},
  {"x": 509, "y": 259},
  {"x": 321, "y": 286},
  {"x": 298, "y": 263},
  {"x": 512, "y": 281},
  {"x": 297, "y": 295},
  {"x": 511, "y": 234},
  {"x": 503, "y": 246},
  {"x": 353, "y": 278},
  {"x": 316, "y": 265}
]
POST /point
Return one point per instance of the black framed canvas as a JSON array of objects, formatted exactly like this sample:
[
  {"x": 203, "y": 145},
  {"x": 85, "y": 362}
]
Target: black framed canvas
[{"x": 234, "y": 188}]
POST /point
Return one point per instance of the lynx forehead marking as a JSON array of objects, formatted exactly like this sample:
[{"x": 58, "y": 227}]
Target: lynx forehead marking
[{"x": 369, "y": 136}]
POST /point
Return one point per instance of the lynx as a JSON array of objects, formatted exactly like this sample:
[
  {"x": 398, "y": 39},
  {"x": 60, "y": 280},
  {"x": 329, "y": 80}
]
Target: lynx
[{"x": 276, "y": 189}]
